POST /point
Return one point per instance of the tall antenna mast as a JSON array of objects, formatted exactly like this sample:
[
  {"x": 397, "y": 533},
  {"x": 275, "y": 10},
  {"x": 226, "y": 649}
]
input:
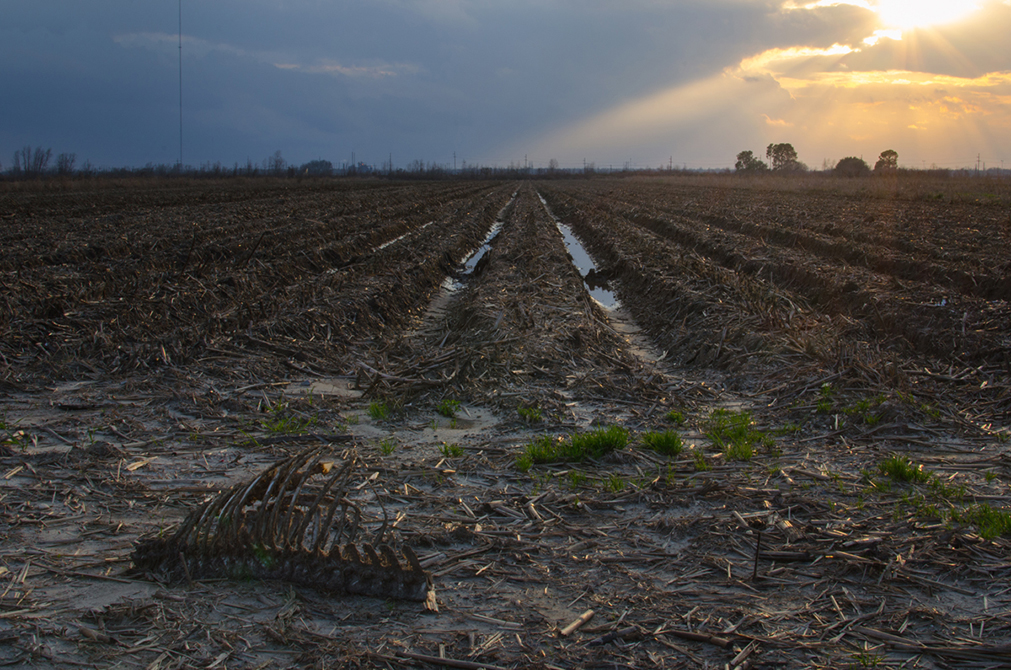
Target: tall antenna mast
[{"x": 180, "y": 86}]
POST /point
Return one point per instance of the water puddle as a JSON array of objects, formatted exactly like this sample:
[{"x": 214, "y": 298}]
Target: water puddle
[
  {"x": 473, "y": 260},
  {"x": 596, "y": 281},
  {"x": 409, "y": 232},
  {"x": 475, "y": 256},
  {"x": 437, "y": 308}
]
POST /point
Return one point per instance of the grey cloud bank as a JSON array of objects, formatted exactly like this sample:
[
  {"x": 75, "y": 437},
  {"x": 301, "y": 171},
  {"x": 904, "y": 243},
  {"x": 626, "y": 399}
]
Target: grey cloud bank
[{"x": 491, "y": 81}]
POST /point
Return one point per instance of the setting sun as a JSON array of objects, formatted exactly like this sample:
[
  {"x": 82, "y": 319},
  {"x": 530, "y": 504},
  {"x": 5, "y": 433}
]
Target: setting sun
[{"x": 907, "y": 14}]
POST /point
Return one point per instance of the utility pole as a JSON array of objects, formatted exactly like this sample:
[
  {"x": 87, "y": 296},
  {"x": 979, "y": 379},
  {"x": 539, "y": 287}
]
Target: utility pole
[
  {"x": 180, "y": 86},
  {"x": 454, "y": 162}
]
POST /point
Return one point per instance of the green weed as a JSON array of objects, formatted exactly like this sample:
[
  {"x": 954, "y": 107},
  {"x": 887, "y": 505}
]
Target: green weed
[
  {"x": 864, "y": 409},
  {"x": 733, "y": 432},
  {"x": 826, "y": 398},
  {"x": 867, "y": 659},
  {"x": 577, "y": 448},
  {"x": 448, "y": 408},
  {"x": 451, "y": 450},
  {"x": 530, "y": 414},
  {"x": 901, "y": 469},
  {"x": 379, "y": 411},
  {"x": 991, "y": 522},
  {"x": 577, "y": 478},
  {"x": 699, "y": 458},
  {"x": 789, "y": 429},
  {"x": 597, "y": 443},
  {"x": 282, "y": 420},
  {"x": 13, "y": 436},
  {"x": 615, "y": 484},
  {"x": 676, "y": 417},
  {"x": 388, "y": 446},
  {"x": 667, "y": 442},
  {"x": 951, "y": 492}
]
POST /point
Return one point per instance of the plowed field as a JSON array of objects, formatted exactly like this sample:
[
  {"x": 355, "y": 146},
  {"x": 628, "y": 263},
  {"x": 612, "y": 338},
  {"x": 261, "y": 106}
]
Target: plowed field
[{"x": 811, "y": 390}]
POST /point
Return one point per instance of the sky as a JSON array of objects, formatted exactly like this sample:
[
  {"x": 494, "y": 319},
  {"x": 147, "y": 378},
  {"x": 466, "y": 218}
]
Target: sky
[{"x": 644, "y": 83}]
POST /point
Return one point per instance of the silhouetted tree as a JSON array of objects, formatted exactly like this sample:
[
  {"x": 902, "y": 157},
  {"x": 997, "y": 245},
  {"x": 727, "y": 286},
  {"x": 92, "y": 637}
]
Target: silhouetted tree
[
  {"x": 888, "y": 161},
  {"x": 29, "y": 163},
  {"x": 40, "y": 160},
  {"x": 317, "y": 168},
  {"x": 748, "y": 162},
  {"x": 276, "y": 163},
  {"x": 852, "y": 166},
  {"x": 783, "y": 157},
  {"x": 65, "y": 163}
]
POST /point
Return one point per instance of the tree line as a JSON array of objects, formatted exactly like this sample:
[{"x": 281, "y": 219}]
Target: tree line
[
  {"x": 29, "y": 163},
  {"x": 783, "y": 159}
]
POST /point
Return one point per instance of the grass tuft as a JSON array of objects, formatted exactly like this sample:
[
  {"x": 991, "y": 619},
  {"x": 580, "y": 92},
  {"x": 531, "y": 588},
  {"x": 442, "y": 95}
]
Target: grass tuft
[
  {"x": 667, "y": 442},
  {"x": 451, "y": 450},
  {"x": 448, "y": 408},
  {"x": 530, "y": 414},
  {"x": 733, "y": 432},
  {"x": 283, "y": 421},
  {"x": 901, "y": 469},
  {"x": 991, "y": 522},
  {"x": 379, "y": 411},
  {"x": 578, "y": 447},
  {"x": 699, "y": 458},
  {"x": 676, "y": 417}
]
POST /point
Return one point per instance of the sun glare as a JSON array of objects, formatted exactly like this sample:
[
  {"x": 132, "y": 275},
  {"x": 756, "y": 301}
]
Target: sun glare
[{"x": 908, "y": 14}]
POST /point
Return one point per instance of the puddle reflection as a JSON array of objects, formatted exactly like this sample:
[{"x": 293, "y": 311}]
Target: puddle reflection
[{"x": 596, "y": 281}]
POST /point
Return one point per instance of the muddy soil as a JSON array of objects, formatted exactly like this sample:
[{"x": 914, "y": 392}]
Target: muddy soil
[{"x": 161, "y": 344}]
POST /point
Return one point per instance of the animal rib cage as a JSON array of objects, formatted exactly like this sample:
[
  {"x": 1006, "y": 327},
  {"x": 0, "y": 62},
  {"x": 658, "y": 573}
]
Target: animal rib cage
[{"x": 288, "y": 523}]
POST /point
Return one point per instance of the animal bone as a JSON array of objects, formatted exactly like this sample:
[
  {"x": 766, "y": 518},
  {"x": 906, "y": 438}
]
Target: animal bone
[{"x": 281, "y": 525}]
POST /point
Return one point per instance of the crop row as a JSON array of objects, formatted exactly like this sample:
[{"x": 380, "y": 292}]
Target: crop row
[
  {"x": 190, "y": 277},
  {"x": 911, "y": 316}
]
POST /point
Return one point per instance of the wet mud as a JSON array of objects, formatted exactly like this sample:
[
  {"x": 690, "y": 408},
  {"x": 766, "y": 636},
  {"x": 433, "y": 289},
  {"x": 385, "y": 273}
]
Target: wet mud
[{"x": 164, "y": 344}]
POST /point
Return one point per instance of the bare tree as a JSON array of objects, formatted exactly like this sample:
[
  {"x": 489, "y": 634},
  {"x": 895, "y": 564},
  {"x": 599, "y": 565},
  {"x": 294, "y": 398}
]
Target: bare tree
[
  {"x": 29, "y": 163},
  {"x": 65, "y": 163},
  {"x": 276, "y": 163},
  {"x": 22, "y": 159},
  {"x": 40, "y": 160}
]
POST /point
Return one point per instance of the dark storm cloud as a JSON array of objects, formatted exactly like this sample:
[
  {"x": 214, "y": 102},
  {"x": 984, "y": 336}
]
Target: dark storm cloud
[{"x": 489, "y": 80}]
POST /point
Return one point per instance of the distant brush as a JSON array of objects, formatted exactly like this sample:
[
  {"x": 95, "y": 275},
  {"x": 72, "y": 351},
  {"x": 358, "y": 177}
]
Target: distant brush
[{"x": 280, "y": 525}]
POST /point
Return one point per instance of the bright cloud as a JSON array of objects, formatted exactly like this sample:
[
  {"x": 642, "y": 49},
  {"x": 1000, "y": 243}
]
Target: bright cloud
[
  {"x": 902, "y": 14},
  {"x": 892, "y": 87}
]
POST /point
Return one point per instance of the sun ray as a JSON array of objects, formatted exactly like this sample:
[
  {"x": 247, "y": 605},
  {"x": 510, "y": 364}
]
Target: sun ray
[{"x": 910, "y": 14}]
